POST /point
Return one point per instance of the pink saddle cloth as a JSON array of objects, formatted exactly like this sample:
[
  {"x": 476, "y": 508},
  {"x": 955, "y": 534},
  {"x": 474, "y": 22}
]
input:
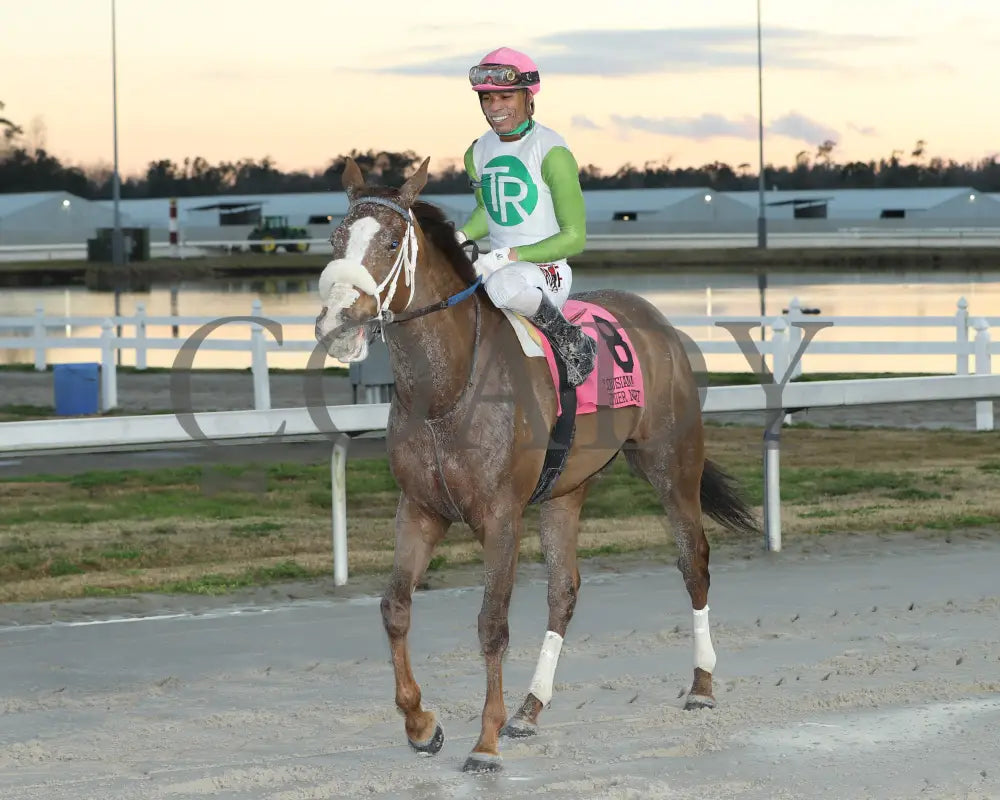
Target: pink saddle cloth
[{"x": 616, "y": 381}]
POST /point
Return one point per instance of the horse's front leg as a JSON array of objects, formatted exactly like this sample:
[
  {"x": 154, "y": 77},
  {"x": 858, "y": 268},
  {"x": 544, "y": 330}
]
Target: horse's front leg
[
  {"x": 418, "y": 530},
  {"x": 560, "y": 528},
  {"x": 501, "y": 541}
]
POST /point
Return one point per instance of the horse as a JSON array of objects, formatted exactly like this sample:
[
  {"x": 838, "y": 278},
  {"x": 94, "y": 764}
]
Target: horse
[{"x": 471, "y": 430}]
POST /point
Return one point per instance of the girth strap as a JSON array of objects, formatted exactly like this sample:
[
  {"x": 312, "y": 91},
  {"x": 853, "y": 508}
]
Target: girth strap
[{"x": 561, "y": 438}]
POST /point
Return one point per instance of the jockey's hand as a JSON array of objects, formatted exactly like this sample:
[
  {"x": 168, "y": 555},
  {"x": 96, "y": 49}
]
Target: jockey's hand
[
  {"x": 490, "y": 262},
  {"x": 460, "y": 237}
]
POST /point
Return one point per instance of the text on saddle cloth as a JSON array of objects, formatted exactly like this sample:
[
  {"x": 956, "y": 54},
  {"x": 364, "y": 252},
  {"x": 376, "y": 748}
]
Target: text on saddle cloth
[{"x": 616, "y": 381}]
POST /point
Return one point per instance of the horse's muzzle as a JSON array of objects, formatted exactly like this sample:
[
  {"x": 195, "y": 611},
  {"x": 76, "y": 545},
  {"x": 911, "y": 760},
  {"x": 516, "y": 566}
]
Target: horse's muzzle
[
  {"x": 343, "y": 337},
  {"x": 319, "y": 323}
]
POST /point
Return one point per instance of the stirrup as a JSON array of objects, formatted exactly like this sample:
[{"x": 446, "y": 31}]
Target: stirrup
[{"x": 577, "y": 349}]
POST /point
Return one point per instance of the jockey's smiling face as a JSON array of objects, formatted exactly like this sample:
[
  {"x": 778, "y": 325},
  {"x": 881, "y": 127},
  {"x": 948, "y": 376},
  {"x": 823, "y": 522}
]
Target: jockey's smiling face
[{"x": 505, "y": 110}]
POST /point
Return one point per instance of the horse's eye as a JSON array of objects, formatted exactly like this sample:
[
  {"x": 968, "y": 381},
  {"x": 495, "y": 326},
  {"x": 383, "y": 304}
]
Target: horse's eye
[{"x": 393, "y": 244}]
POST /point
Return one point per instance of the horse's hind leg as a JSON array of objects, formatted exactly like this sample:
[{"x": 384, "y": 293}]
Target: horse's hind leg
[
  {"x": 417, "y": 532},
  {"x": 675, "y": 473},
  {"x": 560, "y": 526}
]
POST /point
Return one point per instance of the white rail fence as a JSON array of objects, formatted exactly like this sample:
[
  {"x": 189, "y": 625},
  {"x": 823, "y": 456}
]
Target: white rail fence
[
  {"x": 340, "y": 422},
  {"x": 968, "y": 341}
]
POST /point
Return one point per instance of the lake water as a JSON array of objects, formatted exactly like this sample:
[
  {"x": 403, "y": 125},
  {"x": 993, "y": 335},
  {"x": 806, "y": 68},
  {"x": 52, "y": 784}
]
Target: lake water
[{"x": 914, "y": 294}]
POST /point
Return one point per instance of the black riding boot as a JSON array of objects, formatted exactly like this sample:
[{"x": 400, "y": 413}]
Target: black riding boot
[{"x": 577, "y": 348}]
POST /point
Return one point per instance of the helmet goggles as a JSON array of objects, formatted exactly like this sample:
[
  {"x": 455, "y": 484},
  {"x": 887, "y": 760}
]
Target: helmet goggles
[{"x": 502, "y": 76}]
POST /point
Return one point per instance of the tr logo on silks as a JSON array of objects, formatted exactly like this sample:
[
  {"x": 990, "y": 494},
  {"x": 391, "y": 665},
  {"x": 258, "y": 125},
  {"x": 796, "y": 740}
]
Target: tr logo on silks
[{"x": 509, "y": 193}]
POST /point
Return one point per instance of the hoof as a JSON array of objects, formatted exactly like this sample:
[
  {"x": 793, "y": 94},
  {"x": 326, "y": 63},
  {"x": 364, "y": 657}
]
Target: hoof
[
  {"x": 519, "y": 728},
  {"x": 432, "y": 745},
  {"x": 482, "y": 762},
  {"x": 696, "y": 701}
]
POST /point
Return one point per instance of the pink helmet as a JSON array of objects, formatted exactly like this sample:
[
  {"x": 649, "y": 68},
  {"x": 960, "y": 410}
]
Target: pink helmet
[{"x": 504, "y": 68}]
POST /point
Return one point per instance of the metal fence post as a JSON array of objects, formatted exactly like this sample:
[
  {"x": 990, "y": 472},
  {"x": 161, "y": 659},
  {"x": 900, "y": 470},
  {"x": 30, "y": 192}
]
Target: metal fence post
[
  {"x": 109, "y": 369},
  {"x": 258, "y": 363},
  {"x": 772, "y": 482},
  {"x": 338, "y": 484},
  {"x": 140, "y": 336},
  {"x": 962, "y": 337},
  {"x": 984, "y": 408},
  {"x": 775, "y": 419},
  {"x": 39, "y": 339}
]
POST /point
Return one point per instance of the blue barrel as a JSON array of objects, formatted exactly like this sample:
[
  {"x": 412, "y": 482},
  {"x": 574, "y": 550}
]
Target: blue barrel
[{"x": 77, "y": 389}]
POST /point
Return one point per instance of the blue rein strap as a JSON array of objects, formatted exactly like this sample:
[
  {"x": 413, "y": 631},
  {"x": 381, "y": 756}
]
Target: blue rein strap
[
  {"x": 462, "y": 295},
  {"x": 389, "y": 318}
]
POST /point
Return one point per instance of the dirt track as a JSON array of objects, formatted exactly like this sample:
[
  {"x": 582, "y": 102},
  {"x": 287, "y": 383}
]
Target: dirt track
[{"x": 848, "y": 667}]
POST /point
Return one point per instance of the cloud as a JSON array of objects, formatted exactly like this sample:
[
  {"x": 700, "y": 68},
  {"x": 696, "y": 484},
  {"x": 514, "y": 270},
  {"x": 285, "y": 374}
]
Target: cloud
[
  {"x": 712, "y": 126},
  {"x": 707, "y": 126},
  {"x": 584, "y": 123},
  {"x": 801, "y": 128},
  {"x": 864, "y": 130},
  {"x": 617, "y": 53}
]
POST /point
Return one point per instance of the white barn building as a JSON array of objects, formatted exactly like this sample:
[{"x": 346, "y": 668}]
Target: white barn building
[
  {"x": 51, "y": 217},
  {"x": 933, "y": 206},
  {"x": 59, "y": 217}
]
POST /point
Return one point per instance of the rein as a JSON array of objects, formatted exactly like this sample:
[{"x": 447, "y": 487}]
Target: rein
[{"x": 389, "y": 318}]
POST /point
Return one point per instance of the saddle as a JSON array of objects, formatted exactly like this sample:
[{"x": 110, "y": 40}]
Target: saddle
[{"x": 616, "y": 381}]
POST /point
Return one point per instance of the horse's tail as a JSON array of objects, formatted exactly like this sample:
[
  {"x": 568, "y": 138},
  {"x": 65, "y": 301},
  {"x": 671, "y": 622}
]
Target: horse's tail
[{"x": 721, "y": 500}]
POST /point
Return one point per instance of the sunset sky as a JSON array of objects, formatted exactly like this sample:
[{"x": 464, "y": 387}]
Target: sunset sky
[{"x": 303, "y": 81}]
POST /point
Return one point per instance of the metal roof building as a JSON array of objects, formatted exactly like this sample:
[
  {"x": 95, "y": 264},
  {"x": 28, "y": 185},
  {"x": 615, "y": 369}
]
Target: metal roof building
[
  {"x": 47, "y": 217},
  {"x": 640, "y": 209},
  {"x": 947, "y": 205},
  {"x": 59, "y": 217}
]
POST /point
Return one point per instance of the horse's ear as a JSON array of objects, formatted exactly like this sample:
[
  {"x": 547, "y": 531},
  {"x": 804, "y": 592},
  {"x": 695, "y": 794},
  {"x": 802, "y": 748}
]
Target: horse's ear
[
  {"x": 352, "y": 179},
  {"x": 415, "y": 184}
]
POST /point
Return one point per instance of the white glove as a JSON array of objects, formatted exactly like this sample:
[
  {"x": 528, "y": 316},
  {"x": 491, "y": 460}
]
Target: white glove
[
  {"x": 490, "y": 262},
  {"x": 460, "y": 236}
]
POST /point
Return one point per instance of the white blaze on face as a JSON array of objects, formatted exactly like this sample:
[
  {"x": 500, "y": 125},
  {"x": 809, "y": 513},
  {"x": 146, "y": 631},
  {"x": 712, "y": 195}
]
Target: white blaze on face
[
  {"x": 339, "y": 287},
  {"x": 350, "y": 269}
]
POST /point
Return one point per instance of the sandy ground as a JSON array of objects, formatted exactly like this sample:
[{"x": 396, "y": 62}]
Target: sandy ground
[
  {"x": 849, "y": 666},
  {"x": 860, "y": 666}
]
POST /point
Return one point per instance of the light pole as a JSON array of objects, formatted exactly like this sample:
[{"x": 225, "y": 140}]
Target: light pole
[
  {"x": 117, "y": 248},
  {"x": 761, "y": 219},
  {"x": 117, "y": 255}
]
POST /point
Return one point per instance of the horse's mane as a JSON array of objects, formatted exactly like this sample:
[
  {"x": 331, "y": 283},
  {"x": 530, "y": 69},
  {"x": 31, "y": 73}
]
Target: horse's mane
[{"x": 439, "y": 230}]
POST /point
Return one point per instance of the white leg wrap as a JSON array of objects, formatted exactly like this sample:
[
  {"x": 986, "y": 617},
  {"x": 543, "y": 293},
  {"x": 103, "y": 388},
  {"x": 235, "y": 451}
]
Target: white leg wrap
[
  {"x": 704, "y": 653},
  {"x": 541, "y": 683}
]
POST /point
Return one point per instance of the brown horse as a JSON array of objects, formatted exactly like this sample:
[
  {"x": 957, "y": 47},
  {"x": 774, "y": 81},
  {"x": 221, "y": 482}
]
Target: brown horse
[{"x": 468, "y": 433}]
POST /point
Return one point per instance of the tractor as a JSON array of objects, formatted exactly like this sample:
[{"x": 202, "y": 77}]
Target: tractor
[{"x": 274, "y": 228}]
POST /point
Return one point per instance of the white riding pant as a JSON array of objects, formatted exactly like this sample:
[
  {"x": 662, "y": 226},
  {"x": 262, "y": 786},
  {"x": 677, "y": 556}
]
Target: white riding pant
[{"x": 518, "y": 286}]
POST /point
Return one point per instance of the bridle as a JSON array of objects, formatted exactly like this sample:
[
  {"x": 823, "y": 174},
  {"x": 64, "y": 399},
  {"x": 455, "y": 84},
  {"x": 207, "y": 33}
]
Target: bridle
[{"x": 405, "y": 263}]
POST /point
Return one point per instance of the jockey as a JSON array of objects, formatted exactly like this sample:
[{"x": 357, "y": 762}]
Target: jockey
[{"x": 529, "y": 202}]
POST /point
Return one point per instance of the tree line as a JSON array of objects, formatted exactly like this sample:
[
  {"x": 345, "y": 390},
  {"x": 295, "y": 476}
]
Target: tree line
[{"x": 30, "y": 168}]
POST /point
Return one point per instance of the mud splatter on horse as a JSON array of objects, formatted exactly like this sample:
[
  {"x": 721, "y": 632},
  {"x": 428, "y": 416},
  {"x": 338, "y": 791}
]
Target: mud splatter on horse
[{"x": 480, "y": 428}]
